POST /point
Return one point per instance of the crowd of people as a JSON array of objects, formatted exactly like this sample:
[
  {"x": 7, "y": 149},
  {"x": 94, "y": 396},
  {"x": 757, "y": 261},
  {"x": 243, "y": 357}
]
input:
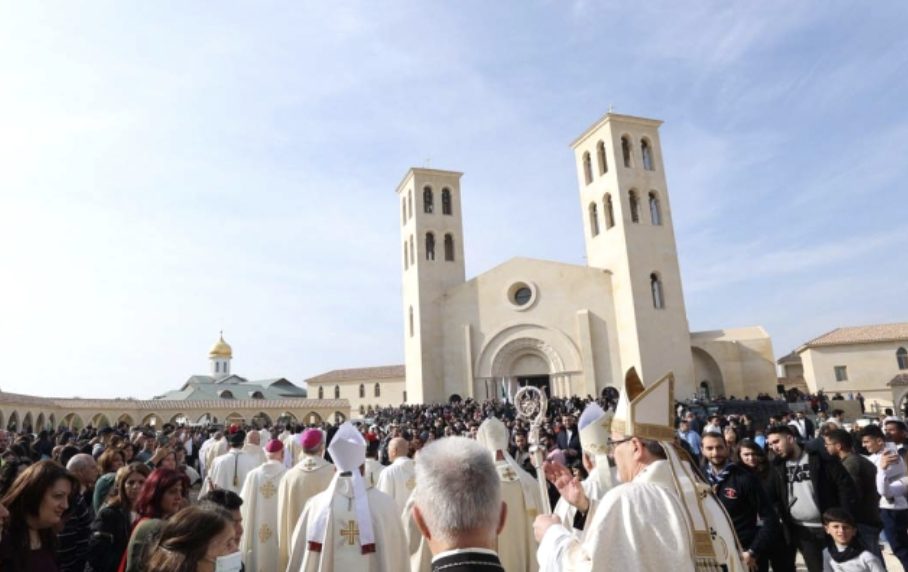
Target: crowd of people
[{"x": 454, "y": 486}]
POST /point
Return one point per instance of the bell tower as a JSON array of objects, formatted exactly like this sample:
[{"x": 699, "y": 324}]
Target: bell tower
[
  {"x": 627, "y": 225},
  {"x": 433, "y": 261}
]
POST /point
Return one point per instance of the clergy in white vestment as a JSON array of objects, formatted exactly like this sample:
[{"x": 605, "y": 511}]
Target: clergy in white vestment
[
  {"x": 520, "y": 492},
  {"x": 303, "y": 481},
  {"x": 398, "y": 479},
  {"x": 457, "y": 505},
  {"x": 204, "y": 448},
  {"x": 351, "y": 526},
  {"x": 253, "y": 446},
  {"x": 229, "y": 471},
  {"x": 595, "y": 427},
  {"x": 650, "y": 511},
  {"x": 259, "y": 545},
  {"x": 219, "y": 447},
  {"x": 373, "y": 467},
  {"x": 417, "y": 547},
  {"x": 264, "y": 435},
  {"x": 293, "y": 447}
]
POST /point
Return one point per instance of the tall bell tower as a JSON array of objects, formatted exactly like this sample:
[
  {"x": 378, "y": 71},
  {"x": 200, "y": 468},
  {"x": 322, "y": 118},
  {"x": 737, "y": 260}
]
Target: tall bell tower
[
  {"x": 627, "y": 225},
  {"x": 433, "y": 261}
]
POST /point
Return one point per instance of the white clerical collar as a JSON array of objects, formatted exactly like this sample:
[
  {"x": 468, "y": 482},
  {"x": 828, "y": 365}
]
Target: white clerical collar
[
  {"x": 402, "y": 460},
  {"x": 456, "y": 551}
]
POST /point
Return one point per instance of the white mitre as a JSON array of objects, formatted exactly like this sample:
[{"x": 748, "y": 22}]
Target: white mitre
[
  {"x": 646, "y": 413},
  {"x": 493, "y": 435},
  {"x": 348, "y": 451},
  {"x": 595, "y": 428}
]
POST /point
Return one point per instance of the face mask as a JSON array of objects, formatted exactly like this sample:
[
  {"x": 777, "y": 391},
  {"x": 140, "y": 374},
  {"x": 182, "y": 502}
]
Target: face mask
[{"x": 230, "y": 563}]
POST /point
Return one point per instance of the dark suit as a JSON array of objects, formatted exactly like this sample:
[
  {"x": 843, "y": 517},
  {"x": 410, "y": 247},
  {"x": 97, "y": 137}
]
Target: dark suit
[
  {"x": 468, "y": 562},
  {"x": 561, "y": 440}
]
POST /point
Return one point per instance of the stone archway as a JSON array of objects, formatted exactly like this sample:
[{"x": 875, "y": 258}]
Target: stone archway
[
  {"x": 100, "y": 420},
  {"x": 261, "y": 419},
  {"x": 339, "y": 417},
  {"x": 126, "y": 418},
  {"x": 153, "y": 420},
  {"x": 313, "y": 418},
  {"x": 40, "y": 423},
  {"x": 13, "y": 423},
  {"x": 179, "y": 419},
  {"x": 707, "y": 374},
  {"x": 287, "y": 418},
  {"x": 73, "y": 422},
  {"x": 52, "y": 421},
  {"x": 27, "y": 424},
  {"x": 234, "y": 417}
]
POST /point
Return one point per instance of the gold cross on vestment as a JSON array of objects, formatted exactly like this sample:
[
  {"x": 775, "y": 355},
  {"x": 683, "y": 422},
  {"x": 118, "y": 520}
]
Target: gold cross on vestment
[
  {"x": 350, "y": 532},
  {"x": 309, "y": 464},
  {"x": 268, "y": 490},
  {"x": 509, "y": 474}
]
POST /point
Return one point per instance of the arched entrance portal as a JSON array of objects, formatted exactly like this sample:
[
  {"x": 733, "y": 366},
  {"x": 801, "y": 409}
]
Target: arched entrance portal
[{"x": 707, "y": 375}]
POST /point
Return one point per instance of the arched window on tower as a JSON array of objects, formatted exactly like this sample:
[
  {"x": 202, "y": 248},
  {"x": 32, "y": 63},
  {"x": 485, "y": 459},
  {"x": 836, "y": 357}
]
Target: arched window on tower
[
  {"x": 655, "y": 284},
  {"x": 406, "y": 256},
  {"x": 655, "y": 212},
  {"x": 337, "y": 392},
  {"x": 600, "y": 154},
  {"x": 446, "y": 202},
  {"x": 412, "y": 251},
  {"x": 594, "y": 219},
  {"x": 902, "y": 357},
  {"x": 587, "y": 168},
  {"x": 427, "y": 200},
  {"x": 635, "y": 206},
  {"x": 410, "y": 203},
  {"x": 377, "y": 389},
  {"x": 321, "y": 392},
  {"x": 430, "y": 246},
  {"x": 646, "y": 151},
  {"x": 449, "y": 248},
  {"x": 609, "y": 211},
  {"x": 410, "y": 321},
  {"x": 362, "y": 391},
  {"x": 626, "y": 150},
  {"x": 403, "y": 211}
]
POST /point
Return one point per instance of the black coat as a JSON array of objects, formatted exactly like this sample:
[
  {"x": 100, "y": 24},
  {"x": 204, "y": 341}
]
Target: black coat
[
  {"x": 109, "y": 538},
  {"x": 747, "y": 503},
  {"x": 468, "y": 562},
  {"x": 832, "y": 486}
]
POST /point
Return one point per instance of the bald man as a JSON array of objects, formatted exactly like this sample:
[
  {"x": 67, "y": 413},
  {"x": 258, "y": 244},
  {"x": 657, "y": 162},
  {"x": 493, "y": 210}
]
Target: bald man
[
  {"x": 399, "y": 479},
  {"x": 72, "y": 541},
  {"x": 253, "y": 446}
]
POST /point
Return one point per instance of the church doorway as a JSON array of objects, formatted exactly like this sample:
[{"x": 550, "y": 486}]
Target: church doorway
[{"x": 540, "y": 381}]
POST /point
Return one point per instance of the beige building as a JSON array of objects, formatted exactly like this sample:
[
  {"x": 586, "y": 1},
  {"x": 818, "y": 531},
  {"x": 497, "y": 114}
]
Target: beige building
[
  {"x": 364, "y": 388},
  {"x": 221, "y": 397},
  {"x": 575, "y": 330},
  {"x": 871, "y": 360}
]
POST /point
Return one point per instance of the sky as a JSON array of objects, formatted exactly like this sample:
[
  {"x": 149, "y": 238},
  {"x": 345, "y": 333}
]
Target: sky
[{"x": 172, "y": 169}]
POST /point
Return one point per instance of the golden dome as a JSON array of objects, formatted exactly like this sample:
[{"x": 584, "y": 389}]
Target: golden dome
[{"x": 221, "y": 349}]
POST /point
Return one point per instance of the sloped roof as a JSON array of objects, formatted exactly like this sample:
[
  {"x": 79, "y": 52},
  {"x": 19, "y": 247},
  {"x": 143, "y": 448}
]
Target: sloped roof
[
  {"x": 380, "y": 372},
  {"x": 790, "y": 358},
  {"x": 900, "y": 379},
  {"x": 860, "y": 335},
  {"x": 155, "y": 404}
]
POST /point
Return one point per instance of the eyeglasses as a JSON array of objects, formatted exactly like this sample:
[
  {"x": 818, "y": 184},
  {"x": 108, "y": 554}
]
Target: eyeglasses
[{"x": 613, "y": 443}]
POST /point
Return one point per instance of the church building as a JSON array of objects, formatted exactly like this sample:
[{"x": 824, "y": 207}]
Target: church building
[{"x": 572, "y": 329}]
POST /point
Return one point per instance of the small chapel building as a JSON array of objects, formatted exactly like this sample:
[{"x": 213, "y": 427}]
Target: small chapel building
[{"x": 567, "y": 328}]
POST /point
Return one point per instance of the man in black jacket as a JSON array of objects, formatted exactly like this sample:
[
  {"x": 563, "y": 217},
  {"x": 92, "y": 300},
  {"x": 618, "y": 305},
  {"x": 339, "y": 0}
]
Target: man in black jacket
[
  {"x": 745, "y": 499},
  {"x": 805, "y": 485}
]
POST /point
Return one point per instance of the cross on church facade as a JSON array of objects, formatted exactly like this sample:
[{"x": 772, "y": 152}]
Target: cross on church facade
[{"x": 350, "y": 532}]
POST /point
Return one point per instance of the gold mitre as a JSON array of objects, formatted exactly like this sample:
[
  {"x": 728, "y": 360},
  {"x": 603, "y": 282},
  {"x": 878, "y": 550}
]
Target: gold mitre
[
  {"x": 646, "y": 413},
  {"x": 595, "y": 429}
]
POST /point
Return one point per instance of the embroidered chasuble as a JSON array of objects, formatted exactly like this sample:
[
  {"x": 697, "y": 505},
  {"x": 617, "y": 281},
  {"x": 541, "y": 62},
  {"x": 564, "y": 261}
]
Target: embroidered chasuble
[
  {"x": 259, "y": 543},
  {"x": 420, "y": 554},
  {"x": 306, "y": 479},
  {"x": 341, "y": 551},
  {"x": 516, "y": 543}
]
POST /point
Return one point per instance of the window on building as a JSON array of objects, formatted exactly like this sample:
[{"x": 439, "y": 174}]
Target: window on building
[
  {"x": 446, "y": 202},
  {"x": 225, "y": 394},
  {"x": 430, "y": 246},
  {"x": 841, "y": 373},
  {"x": 609, "y": 211},
  {"x": 377, "y": 389},
  {"x": 258, "y": 395},
  {"x": 594, "y": 219},
  {"x": 406, "y": 256},
  {"x": 403, "y": 211},
  {"x": 410, "y": 319},
  {"x": 449, "y": 248},
  {"x": 428, "y": 201},
  {"x": 655, "y": 284},
  {"x": 410, "y": 203},
  {"x": 405, "y": 396},
  {"x": 587, "y": 168},
  {"x": 902, "y": 357},
  {"x": 321, "y": 392},
  {"x": 600, "y": 154},
  {"x": 217, "y": 367},
  {"x": 362, "y": 391},
  {"x": 655, "y": 212},
  {"x": 626, "y": 150},
  {"x": 362, "y": 409},
  {"x": 337, "y": 392},
  {"x": 412, "y": 251},
  {"x": 647, "y": 152},
  {"x": 635, "y": 206}
]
